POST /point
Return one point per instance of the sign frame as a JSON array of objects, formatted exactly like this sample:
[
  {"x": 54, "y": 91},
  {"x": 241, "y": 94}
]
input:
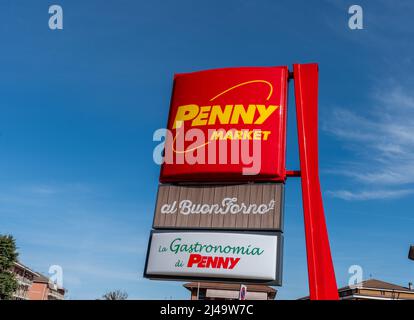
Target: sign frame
[
  {"x": 279, "y": 260},
  {"x": 223, "y": 83}
]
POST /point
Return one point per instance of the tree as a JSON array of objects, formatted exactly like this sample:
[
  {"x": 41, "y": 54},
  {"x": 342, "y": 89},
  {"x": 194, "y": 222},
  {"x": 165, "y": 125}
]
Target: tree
[
  {"x": 8, "y": 257},
  {"x": 115, "y": 295}
]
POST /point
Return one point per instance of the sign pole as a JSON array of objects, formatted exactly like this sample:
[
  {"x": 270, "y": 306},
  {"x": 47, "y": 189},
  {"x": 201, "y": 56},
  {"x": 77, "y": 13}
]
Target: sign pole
[
  {"x": 242, "y": 292},
  {"x": 322, "y": 283},
  {"x": 198, "y": 290}
]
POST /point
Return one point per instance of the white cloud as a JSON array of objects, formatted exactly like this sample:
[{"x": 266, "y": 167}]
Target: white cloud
[
  {"x": 370, "y": 195},
  {"x": 382, "y": 139}
]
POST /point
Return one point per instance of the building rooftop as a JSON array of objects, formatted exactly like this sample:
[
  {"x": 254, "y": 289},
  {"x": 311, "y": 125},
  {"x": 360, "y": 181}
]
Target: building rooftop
[
  {"x": 20, "y": 265},
  {"x": 41, "y": 278},
  {"x": 229, "y": 286},
  {"x": 377, "y": 284},
  {"x": 220, "y": 290},
  {"x": 387, "y": 289}
]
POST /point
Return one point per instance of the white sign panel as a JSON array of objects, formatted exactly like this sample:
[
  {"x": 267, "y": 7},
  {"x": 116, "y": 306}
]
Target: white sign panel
[{"x": 225, "y": 256}]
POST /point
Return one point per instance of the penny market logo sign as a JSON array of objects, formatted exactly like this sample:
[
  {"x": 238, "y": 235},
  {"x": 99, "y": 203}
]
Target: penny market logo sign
[
  {"x": 222, "y": 125},
  {"x": 230, "y": 114}
]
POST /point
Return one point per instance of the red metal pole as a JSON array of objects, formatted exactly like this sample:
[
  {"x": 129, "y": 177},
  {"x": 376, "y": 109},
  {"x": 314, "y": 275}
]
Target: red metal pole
[{"x": 322, "y": 283}]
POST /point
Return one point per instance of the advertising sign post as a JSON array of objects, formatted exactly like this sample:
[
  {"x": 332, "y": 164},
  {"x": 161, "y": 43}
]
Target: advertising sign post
[{"x": 219, "y": 211}]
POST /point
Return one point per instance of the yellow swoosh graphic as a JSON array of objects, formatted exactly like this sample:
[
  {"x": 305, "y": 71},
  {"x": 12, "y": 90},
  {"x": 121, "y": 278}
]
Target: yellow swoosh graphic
[
  {"x": 187, "y": 150},
  {"x": 243, "y": 84}
]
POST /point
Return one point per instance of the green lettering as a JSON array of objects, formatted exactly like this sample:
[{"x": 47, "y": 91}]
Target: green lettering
[{"x": 175, "y": 247}]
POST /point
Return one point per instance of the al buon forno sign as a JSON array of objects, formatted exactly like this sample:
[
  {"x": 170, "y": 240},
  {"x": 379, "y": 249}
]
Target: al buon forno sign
[{"x": 239, "y": 206}]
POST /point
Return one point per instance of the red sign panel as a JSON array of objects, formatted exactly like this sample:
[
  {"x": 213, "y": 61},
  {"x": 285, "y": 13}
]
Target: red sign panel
[{"x": 227, "y": 125}]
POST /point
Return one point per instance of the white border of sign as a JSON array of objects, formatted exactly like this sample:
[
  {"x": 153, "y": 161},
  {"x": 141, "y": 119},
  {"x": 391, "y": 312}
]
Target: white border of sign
[{"x": 169, "y": 258}]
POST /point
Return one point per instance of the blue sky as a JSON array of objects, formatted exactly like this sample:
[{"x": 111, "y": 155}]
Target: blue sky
[{"x": 78, "y": 108}]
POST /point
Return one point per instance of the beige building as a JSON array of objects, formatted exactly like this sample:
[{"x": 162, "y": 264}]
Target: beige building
[
  {"x": 228, "y": 291},
  {"x": 373, "y": 289}
]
